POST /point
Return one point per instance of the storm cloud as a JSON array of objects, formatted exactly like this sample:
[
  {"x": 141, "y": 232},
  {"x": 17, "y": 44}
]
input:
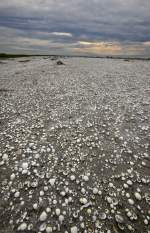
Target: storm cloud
[{"x": 75, "y": 27}]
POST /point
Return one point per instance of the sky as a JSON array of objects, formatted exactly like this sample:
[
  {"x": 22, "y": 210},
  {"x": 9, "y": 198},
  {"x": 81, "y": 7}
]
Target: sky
[{"x": 75, "y": 27}]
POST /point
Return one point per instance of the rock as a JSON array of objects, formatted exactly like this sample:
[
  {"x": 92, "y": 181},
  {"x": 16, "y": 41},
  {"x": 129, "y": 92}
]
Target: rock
[{"x": 60, "y": 63}]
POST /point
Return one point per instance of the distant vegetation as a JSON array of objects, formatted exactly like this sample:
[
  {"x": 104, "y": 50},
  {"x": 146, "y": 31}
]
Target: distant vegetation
[
  {"x": 55, "y": 57},
  {"x": 6, "y": 56}
]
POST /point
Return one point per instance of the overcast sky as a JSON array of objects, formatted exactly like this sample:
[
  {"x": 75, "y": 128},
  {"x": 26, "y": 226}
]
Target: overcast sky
[{"x": 95, "y": 27}]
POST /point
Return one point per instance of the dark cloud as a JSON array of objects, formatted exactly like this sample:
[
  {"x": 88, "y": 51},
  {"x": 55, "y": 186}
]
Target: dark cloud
[{"x": 49, "y": 21}]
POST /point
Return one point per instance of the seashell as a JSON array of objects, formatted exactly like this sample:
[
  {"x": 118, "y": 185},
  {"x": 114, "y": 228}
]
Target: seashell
[
  {"x": 42, "y": 227},
  {"x": 102, "y": 216},
  {"x": 43, "y": 216},
  {"x": 121, "y": 226},
  {"x": 138, "y": 196},
  {"x": 49, "y": 229},
  {"x": 119, "y": 218}
]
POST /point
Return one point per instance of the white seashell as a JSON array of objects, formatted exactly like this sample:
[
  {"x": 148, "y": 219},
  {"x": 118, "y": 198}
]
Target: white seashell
[
  {"x": 12, "y": 177},
  {"x": 17, "y": 194},
  {"x": 72, "y": 177},
  {"x": 129, "y": 214},
  {"x": 5, "y": 157},
  {"x": 74, "y": 229},
  {"x": 49, "y": 229},
  {"x": 145, "y": 221},
  {"x": 22, "y": 227},
  {"x": 82, "y": 225},
  {"x": 111, "y": 185},
  {"x": 138, "y": 196},
  {"x": 85, "y": 178},
  {"x": 35, "y": 206},
  {"x": 43, "y": 227},
  {"x": 83, "y": 200},
  {"x": 43, "y": 216},
  {"x": 129, "y": 182},
  {"x": 83, "y": 190},
  {"x": 24, "y": 172},
  {"x": 131, "y": 202},
  {"x": 95, "y": 190},
  {"x": 125, "y": 186},
  {"x": 52, "y": 182},
  {"x": 48, "y": 210},
  {"x": 102, "y": 216},
  {"x": 61, "y": 218},
  {"x": 57, "y": 211},
  {"x": 24, "y": 165},
  {"x": 127, "y": 195},
  {"x": 89, "y": 211},
  {"x": 41, "y": 193},
  {"x": 109, "y": 200},
  {"x": 63, "y": 193},
  {"x": 119, "y": 218}
]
